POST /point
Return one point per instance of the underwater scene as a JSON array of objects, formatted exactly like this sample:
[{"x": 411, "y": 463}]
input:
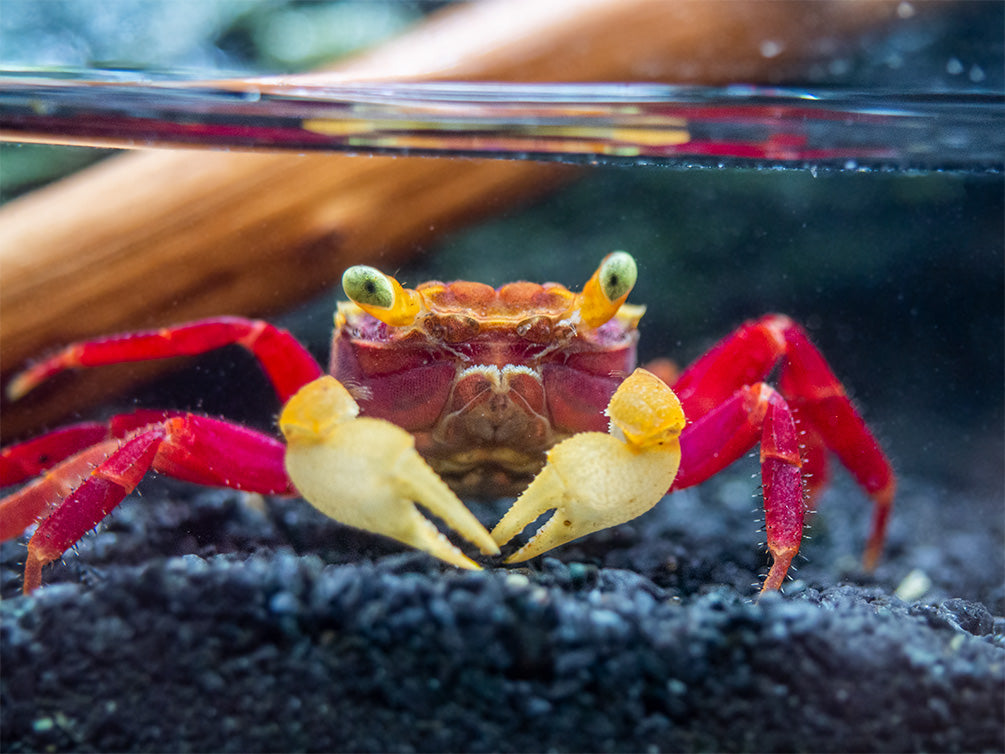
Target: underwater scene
[{"x": 838, "y": 192}]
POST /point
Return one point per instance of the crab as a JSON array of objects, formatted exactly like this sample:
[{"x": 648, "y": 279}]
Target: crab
[{"x": 463, "y": 389}]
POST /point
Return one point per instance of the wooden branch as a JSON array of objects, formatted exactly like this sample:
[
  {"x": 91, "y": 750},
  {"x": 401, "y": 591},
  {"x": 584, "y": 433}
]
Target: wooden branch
[{"x": 156, "y": 237}]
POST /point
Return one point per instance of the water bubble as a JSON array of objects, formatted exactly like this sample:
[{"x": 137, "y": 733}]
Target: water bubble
[{"x": 771, "y": 48}]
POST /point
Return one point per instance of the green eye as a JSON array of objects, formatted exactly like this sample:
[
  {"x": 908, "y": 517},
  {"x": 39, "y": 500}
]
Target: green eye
[
  {"x": 368, "y": 286},
  {"x": 617, "y": 275}
]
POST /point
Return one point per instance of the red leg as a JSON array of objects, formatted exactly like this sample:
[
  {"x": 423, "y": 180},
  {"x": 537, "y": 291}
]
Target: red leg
[
  {"x": 724, "y": 434},
  {"x": 37, "y": 500},
  {"x": 194, "y": 448},
  {"x": 217, "y": 453},
  {"x": 816, "y": 397},
  {"x": 743, "y": 358},
  {"x": 286, "y": 362},
  {"x": 816, "y": 468},
  {"x": 28, "y": 459},
  {"x": 102, "y": 489}
]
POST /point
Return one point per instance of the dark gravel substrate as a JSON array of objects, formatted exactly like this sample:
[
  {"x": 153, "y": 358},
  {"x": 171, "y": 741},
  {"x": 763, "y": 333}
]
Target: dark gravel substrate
[
  {"x": 282, "y": 653},
  {"x": 281, "y": 631}
]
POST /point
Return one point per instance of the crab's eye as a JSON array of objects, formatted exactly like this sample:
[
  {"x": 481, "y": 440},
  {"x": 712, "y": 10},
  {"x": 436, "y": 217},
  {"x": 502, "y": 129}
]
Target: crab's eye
[
  {"x": 368, "y": 286},
  {"x": 606, "y": 291},
  {"x": 617, "y": 275},
  {"x": 381, "y": 296}
]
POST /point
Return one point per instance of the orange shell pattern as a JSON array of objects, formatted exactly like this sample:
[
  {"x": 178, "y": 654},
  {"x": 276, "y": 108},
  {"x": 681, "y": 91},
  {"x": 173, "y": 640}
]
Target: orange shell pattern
[{"x": 511, "y": 301}]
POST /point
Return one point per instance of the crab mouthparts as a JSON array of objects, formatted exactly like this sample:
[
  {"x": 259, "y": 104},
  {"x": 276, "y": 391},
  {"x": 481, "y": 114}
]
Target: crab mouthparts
[
  {"x": 500, "y": 405},
  {"x": 492, "y": 438}
]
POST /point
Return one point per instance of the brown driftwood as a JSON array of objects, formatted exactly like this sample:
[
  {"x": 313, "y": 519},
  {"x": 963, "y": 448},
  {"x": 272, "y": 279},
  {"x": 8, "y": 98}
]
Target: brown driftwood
[{"x": 150, "y": 238}]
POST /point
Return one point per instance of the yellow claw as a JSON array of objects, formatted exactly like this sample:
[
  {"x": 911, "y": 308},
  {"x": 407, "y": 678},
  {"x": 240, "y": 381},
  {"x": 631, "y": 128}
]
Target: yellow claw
[
  {"x": 645, "y": 412},
  {"x": 366, "y": 473},
  {"x": 594, "y": 480}
]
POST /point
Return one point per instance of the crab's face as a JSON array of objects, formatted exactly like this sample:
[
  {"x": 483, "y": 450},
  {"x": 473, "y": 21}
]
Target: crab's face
[{"x": 487, "y": 379}]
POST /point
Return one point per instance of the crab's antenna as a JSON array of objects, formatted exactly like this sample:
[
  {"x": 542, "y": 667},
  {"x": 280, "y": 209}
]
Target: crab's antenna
[{"x": 607, "y": 289}]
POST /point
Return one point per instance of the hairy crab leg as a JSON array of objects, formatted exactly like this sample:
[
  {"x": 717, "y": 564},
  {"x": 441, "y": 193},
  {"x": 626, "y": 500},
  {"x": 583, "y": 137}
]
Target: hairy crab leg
[
  {"x": 30, "y": 458},
  {"x": 190, "y": 447},
  {"x": 724, "y": 434},
  {"x": 35, "y": 501},
  {"x": 286, "y": 362},
  {"x": 817, "y": 400},
  {"x": 70, "y": 454},
  {"x": 219, "y": 453},
  {"x": 102, "y": 489},
  {"x": 816, "y": 471},
  {"x": 782, "y": 484}
]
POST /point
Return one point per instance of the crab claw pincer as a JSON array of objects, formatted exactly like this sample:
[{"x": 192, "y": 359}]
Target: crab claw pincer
[
  {"x": 594, "y": 480},
  {"x": 366, "y": 473}
]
